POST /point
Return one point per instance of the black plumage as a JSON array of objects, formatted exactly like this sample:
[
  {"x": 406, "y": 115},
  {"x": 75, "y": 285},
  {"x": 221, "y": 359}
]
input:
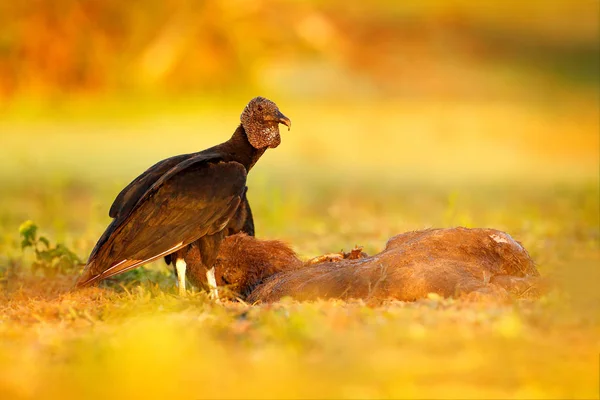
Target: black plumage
[
  {"x": 196, "y": 263},
  {"x": 187, "y": 199}
]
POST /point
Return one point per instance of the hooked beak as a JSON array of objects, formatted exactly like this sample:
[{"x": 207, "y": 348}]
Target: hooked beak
[{"x": 281, "y": 119}]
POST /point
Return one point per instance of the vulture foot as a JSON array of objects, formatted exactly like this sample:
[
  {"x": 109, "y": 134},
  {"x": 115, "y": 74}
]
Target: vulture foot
[
  {"x": 212, "y": 285},
  {"x": 180, "y": 268}
]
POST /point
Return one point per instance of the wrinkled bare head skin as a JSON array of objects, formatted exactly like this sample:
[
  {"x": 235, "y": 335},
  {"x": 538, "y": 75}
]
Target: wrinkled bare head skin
[{"x": 261, "y": 119}]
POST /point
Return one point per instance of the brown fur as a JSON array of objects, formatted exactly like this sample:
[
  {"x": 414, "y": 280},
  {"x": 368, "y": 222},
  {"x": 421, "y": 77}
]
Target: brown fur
[
  {"x": 259, "y": 260},
  {"x": 243, "y": 263},
  {"x": 450, "y": 262}
]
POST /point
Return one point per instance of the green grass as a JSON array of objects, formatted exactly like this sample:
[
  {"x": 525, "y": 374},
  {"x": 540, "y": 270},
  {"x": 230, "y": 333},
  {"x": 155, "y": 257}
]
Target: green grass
[{"x": 339, "y": 178}]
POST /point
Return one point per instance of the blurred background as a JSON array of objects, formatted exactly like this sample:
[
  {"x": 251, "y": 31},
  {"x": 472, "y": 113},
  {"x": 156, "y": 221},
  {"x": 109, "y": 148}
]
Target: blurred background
[
  {"x": 388, "y": 99},
  {"x": 440, "y": 49}
]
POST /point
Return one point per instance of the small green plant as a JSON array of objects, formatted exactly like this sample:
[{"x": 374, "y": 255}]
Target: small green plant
[{"x": 50, "y": 260}]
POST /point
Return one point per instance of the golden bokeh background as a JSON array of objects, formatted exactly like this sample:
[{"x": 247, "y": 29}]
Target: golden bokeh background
[
  {"x": 309, "y": 48},
  {"x": 419, "y": 90}
]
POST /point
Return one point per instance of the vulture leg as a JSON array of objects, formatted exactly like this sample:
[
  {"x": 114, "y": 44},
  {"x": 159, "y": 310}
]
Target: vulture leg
[
  {"x": 209, "y": 248},
  {"x": 180, "y": 271},
  {"x": 212, "y": 284}
]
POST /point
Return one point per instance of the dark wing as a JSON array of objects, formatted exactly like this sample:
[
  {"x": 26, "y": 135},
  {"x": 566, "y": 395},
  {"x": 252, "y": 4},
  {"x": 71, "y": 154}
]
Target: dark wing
[
  {"x": 130, "y": 195},
  {"x": 248, "y": 227},
  {"x": 242, "y": 221},
  {"x": 194, "y": 199}
]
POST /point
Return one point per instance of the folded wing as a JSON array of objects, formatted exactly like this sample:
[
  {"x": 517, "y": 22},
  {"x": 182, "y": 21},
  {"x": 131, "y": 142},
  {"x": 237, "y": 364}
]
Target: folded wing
[{"x": 193, "y": 199}]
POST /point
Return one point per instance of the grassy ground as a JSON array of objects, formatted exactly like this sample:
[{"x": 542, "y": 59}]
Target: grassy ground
[{"x": 346, "y": 174}]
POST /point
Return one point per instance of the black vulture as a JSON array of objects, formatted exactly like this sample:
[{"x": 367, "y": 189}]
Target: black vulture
[{"x": 186, "y": 199}]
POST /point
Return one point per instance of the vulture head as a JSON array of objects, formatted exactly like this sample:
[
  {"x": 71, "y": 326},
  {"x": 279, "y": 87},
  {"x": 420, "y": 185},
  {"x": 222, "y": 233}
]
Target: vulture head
[{"x": 261, "y": 119}]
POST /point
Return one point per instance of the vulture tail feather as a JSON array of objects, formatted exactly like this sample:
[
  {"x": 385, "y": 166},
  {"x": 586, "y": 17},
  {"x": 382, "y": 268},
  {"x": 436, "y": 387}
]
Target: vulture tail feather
[{"x": 88, "y": 278}]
